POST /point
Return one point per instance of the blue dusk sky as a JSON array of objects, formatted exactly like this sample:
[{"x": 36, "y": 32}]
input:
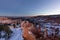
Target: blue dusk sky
[{"x": 29, "y": 7}]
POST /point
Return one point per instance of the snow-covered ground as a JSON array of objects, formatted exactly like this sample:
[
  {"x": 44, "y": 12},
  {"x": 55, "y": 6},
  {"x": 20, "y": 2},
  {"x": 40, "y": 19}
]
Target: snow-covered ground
[
  {"x": 50, "y": 25},
  {"x": 16, "y": 35},
  {"x": 17, "y": 32}
]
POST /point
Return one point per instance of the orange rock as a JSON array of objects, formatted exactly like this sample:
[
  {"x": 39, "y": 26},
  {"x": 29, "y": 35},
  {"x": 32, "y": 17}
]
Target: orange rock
[{"x": 27, "y": 34}]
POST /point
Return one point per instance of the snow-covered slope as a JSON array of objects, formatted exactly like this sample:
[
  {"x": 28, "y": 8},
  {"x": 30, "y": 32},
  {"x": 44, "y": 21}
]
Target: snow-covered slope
[{"x": 16, "y": 35}]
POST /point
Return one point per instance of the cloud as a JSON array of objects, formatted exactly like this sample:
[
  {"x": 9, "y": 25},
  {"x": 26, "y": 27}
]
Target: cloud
[{"x": 54, "y": 12}]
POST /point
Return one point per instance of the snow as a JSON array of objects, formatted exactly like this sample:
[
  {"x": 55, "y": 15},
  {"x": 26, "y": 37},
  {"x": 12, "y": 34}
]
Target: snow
[
  {"x": 3, "y": 33},
  {"x": 17, "y": 26},
  {"x": 50, "y": 25},
  {"x": 16, "y": 35}
]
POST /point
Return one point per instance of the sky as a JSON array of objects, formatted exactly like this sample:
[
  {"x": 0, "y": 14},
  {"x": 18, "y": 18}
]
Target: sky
[{"x": 29, "y": 7}]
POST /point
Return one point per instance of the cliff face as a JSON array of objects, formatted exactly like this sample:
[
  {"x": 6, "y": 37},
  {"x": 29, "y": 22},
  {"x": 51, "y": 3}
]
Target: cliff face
[
  {"x": 49, "y": 27},
  {"x": 3, "y": 18},
  {"x": 27, "y": 34}
]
